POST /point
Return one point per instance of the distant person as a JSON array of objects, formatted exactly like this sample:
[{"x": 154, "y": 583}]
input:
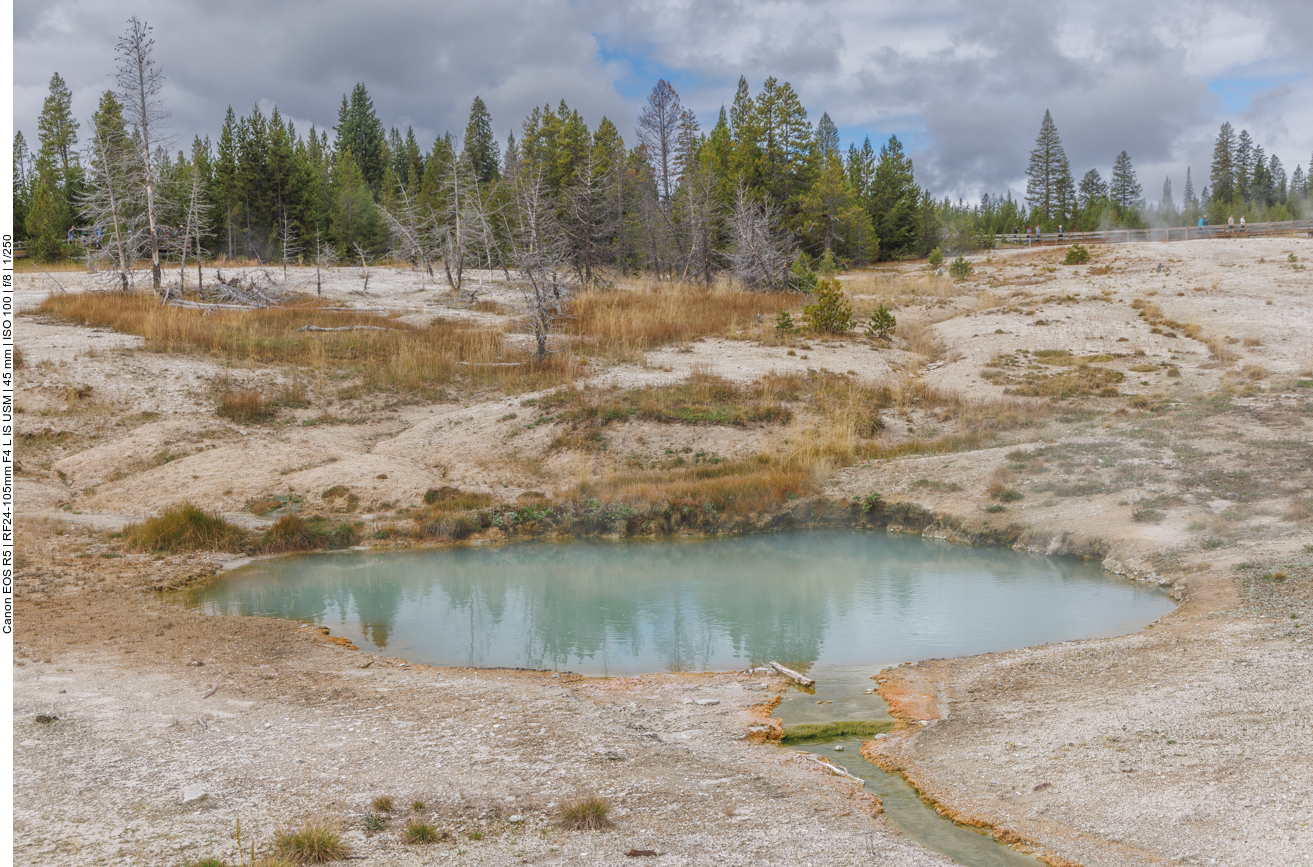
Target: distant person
[
  {"x": 1242, "y": 225},
  {"x": 1060, "y": 233},
  {"x": 100, "y": 235},
  {"x": 70, "y": 235},
  {"x": 1039, "y": 235},
  {"x": 1230, "y": 224},
  {"x": 1016, "y": 230},
  {"x": 1028, "y": 234}
]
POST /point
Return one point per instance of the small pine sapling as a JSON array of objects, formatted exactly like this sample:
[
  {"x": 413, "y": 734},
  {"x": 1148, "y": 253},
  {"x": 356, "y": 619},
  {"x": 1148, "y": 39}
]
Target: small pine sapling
[
  {"x": 784, "y": 324},
  {"x": 801, "y": 276},
  {"x": 961, "y": 268},
  {"x": 1077, "y": 254},
  {"x": 829, "y": 312},
  {"x": 882, "y": 324},
  {"x": 936, "y": 258}
]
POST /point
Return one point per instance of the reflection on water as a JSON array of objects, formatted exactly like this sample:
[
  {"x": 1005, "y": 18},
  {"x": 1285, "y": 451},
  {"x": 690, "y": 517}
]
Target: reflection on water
[{"x": 632, "y": 607}]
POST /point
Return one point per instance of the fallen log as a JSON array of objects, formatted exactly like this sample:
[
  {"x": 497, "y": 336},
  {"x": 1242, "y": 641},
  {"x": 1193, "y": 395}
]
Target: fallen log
[
  {"x": 348, "y": 328},
  {"x": 797, "y": 678},
  {"x": 176, "y": 302},
  {"x": 831, "y": 767}
]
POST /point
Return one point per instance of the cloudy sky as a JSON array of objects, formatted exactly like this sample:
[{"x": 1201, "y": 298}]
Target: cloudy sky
[{"x": 964, "y": 83}]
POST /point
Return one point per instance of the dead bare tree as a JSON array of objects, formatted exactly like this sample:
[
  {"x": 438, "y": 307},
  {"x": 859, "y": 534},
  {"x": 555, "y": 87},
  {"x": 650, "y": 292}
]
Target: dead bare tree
[
  {"x": 698, "y": 212},
  {"x": 366, "y": 259},
  {"x": 463, "y": 229},
  {"x": 288, "y": 240},
  {"x": 196, "y": 212},
  {"x": 325, "y": 257},
  {"x": 139, "y": 81},
  {"x": 412, "y": 234},
  {"x": 540, "y": 252},
  {"x": 593, "y": 219},
  {"x": 658, "y": 130},
  {"x": 759, "y": 252},
  {"x": 113, "y": 204}
]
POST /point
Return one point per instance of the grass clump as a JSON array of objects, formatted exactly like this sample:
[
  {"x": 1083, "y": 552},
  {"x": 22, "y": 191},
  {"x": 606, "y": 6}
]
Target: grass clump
[
  {"x": 382, "y": 804},
  {"x": 244, "y": 405},
  {"x": 811, "y": 732},
  {"x": 185, "y": 528},
  {"x": 314, "y": 842},
  {"x": 423, "y": 833},
  {"x": 452, "y": 499},
  {"x": 1077, "y": 254},
  {"x": 623, "y": 323},
  {"x": 294, "y": 533},
  {"x": 703, "y": 398},
  {"x": 587, "y": 813}
]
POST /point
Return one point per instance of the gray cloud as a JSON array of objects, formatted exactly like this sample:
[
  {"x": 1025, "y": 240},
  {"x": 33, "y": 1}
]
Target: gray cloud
[{"x": 966, "y": 82}]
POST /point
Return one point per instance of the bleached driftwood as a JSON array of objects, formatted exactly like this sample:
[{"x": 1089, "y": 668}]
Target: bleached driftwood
[
  {"x": 797, "y": 678},
  {"x": 829, "y": 766},
  {"x": 348, "y": 328}
]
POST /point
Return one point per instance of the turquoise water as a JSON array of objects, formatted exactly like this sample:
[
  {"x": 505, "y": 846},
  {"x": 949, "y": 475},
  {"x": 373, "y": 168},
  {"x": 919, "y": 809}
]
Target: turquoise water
[
  {"x": 839, "y": 605},
  {"x": 618, "y": 608}
]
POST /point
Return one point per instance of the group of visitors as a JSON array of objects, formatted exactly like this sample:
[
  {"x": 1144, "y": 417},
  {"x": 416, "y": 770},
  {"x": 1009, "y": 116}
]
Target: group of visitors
[{"x": 1036, "y": 232}]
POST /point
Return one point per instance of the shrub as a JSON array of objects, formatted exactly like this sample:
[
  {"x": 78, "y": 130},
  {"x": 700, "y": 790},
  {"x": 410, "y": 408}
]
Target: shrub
[
  {"x": 315, "y": 842},
  {"x": 418, "y": 832},
  {"x": 1077, "y": 254},
  {"x": 784, "y": 324},
  {"x": 961, "y": 268},
  {"x": 185, "y": 528},
  {"x": 1143, "y": 514},
  {"x": 375, "y": 823},
  {"x": 244, "y": 405},
  {"x": 585, "y": 814},
  {"x": 828, "y": 265},
  {"x": 383, "y": 804},
  {"x": 829, "y": 312},
  {"x": 294, "y": 533},
  {"x": 936, "y": 258},
  {"x": 882, "y": 324}
]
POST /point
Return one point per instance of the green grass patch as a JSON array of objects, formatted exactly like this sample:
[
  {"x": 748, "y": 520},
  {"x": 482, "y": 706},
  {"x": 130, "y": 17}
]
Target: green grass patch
[
  {"x": 811, "y": 732},
  {"x": 315, "y": 842},
  {"x": 294, "y": 533}
]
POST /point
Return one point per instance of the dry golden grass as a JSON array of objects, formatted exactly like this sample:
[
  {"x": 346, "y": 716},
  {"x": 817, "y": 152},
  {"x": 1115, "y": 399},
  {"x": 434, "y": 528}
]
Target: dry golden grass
[
  {"x": 731, "y": 488},
  {"x": 397, "y": 358},
  {"x": 919, "y": 337},
  {"x": 623, "y": 323},
  {"x": 703, "y": 398}
]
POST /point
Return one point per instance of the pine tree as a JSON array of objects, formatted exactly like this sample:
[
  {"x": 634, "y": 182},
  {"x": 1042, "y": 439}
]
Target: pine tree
[
  {"x": 861, "y": 168},
  {"x": 1187, "y": 196},
  {"x": 1048, "y": 176},
  {"x": 1244, "y": 166},
  {"x": 1165, "y": 204},
  {"x": 893, "y": 201},
  {"x": 827, "y": 137},
  {"x": 481, "y": 145},
  {"x": 1262, "y": 191},
  {"x": 658, "y": 130},
  {"x": 1297, "y": 183},
  {"x": 23, "y": 186},
  {"x": 225, "y": 180},
  {"x": 1277, "y": 173},
  {"x": 360, "y": 132},
  {"x": 1124, "y": 190},
  {"x": 57, "y": 129},
  {"x": 1223, "y": 173},
  {"x": 356, "y": 221}
]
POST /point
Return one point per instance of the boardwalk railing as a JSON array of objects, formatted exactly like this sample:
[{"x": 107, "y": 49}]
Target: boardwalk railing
[{"x": 1162, "y": 234}]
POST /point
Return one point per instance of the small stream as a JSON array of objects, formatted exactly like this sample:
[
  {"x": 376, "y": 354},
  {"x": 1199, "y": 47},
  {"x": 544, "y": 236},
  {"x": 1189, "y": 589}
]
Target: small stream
[
  {"x": 840, "y": 694},
  {"x": 840, "y": 605}
]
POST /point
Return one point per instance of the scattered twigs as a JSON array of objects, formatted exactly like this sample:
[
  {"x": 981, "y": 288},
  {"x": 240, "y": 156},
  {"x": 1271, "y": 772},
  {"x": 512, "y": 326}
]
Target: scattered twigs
[
  {"x": 212, "y": 690},
  {"x": 797, "y": 678}
]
